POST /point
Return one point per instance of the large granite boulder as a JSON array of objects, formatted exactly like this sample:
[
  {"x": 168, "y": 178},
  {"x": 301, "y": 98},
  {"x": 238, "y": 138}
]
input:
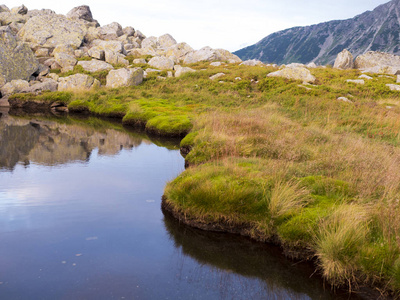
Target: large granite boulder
[
  {"x": 50, "y": 30},
  {"x": 162, "y": 63},
  {"x": 15, "y": 86},
  {"x": 66, "y": 61},
  {"x": 178, "y": 50},
  {"x": 252, "y": 63},
  {"x": 294, "y": 73},
  {"x": 81, "y": 12},
  {"x": 115, "y": 58},
  {"x": 150, "y": 42},
  {"x": 209, "y": 54},
  {"x": 166, "y": 41},
  {"x": 344, "y": 60},
  {"x": 378, "y": 62},
  {"x": 124, "y": 77},
  {"x": 95, "y": 65},
  {"x": 17, "y": 61},
  {"x": 111, "y": 31},
  {"x": 22, "y": 10},
  {"x": 77, "y": 82}
]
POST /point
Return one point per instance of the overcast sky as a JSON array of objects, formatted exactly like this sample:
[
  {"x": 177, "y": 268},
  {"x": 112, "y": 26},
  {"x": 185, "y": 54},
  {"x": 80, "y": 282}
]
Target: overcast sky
[{"x": 228, "y": 24}]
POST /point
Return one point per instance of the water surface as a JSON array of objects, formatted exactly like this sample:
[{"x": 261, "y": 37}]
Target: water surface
[{"x": 80, "y": 218}]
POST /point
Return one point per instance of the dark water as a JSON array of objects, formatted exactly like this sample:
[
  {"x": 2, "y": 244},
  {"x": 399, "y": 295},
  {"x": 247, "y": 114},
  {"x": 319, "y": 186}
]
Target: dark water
[{"x": 80, "y": 218}]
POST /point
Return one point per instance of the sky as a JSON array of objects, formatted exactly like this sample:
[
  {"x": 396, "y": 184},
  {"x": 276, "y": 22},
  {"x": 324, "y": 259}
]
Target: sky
[{"x": 227, "y": 24}]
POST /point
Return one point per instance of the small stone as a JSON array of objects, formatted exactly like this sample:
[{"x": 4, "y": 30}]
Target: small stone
[
  {"x": 216, "y": 76},
  {"x": 394, "y": 87},
  {"x": 356, "y": 81},
  {"x": 344, "y": 99}
]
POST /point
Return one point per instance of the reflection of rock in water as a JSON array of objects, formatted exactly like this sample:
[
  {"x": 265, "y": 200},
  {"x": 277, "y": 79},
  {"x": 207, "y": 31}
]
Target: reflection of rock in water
[
  {"x": 233, "y": 258},
  {"x": 52, "y": 143}
]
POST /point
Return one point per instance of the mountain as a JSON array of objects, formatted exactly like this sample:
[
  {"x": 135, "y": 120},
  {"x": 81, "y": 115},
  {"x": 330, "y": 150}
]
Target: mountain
[{"x": 377, "y": 30}]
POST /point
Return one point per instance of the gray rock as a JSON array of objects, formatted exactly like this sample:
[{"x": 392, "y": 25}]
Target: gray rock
[
  {"x": 115, "y": 58},
  {"x": 161, "y": 62},
  {"x": 216, "y": 76},
  {"x": 111, "y": 31},
  {"x": 124, "y": 77},
  {"x": 378, "y": 62},
  {"x": 47, "y": 85},
  {"x": 139, "y": 61},
  {"x": 344, "y": 99},
  {"x": 97, "y": 53},
  {"x": 312, "y": 65},
  {"x": 179, "y": 70},
  {"x": 129, "y": 31},
  {"x": 252, "y": 63},
  {"x": 166, "y": 41},
  {"x": 81, "y": 12},
  {"x": 66, "y": 61},
  {"x": 61, "y": 48},
  {"x": 216, "y": 64},
  {"x": 356, "y": 81},
  {"x": 42, "y": 52},
  {"x": 95, "y": 65},
  {"x": 77, "y": 82},
  {"x": 363, "y": 76},
  {"x": 209, "y": 54},
  {"x": 150, "y": 42},
  {"x": 179, "y": 51},
  {"x": 22, "y": 10},
  {"x": 15, "y": 86},
  {"x": 344, "y": 60},
  {"x": 394, "y": 87},
  {"x": 294, "y": 73},
  {"x": 62, "y": 31},
  {"x": 17, "y": 61},
  {"x": 4, "y": 8}
]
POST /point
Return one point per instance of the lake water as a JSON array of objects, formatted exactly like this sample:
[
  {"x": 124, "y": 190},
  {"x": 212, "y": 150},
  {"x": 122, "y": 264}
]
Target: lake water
[{"x": 80, "y": 218}]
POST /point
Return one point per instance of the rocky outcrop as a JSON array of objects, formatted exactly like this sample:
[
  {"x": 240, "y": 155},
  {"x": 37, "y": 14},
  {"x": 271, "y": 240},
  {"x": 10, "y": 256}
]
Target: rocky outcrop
[
  {"x": 17, "y": 61},
  {"x": 162, "y": 63},
  {"x": 124, "y": 77},
  {"x": 15, "y": 86},
  {"x": 38, "y": 33},
  {"x": 378, "y": 62},
  {"x": 375, "y": 30},
  {"x": 344, "y": 60},
  {"x": 209, "y": 54},
  {"x": 294, "y": 73},
  {"x": 77, "y": 82},
  {"x": 82, "y": 12},
  {"x": 95, "y": 65}
]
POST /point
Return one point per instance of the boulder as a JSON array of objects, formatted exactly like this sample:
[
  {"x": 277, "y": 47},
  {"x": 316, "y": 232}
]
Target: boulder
[
  {"x": 42, "y": 52},
  {"x": 68, "y": 49},
  {"x": 216, "y": 76},
  {"x": 161, "y": 62},
  {"x": 47, "y": 85},
  {"x": 97, "y": 53},
  {"x": 139, "y": 61},
  {"x": 115, "y": 58},
  {"x": 21, "y": 10},
  {"x": 124, "y": 77},
  {"x": 62, "y": 31},
  {"x": 166, "y": 41},
  {"x": 295, "y": 73},
  {"x": 344, "y": 60},
  {"x": 4, "y": 8},
  {"x": 129, "y": 31},
  {"x": 312, "y": 65},
  {"x": 252, "y": 63},
  {"x": 178, "y": 50},
  {"x": 394, "y": 87},
  {"x": 150, "y": 42},
  {"x": 81, "y": 12},
  {"x": 378, "y": 62},
  {"x": 209, "y": 54},
  {"x": 382, "y": 69},
  {"x": 111, "y": 31},
  {"x": 356, "y": 81},
  {"x": 66, "y": 61},
  {"x": 77, "y": 82},
  {"x": 40, "y": 12},
  {"x": 15, "y": 86},
  {"x": 95, "y": 65},
  {"x": 179, "y": 70},
  {"x": 17, "y": 61}
]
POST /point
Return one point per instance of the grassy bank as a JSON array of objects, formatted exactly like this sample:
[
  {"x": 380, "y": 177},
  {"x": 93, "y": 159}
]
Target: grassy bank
[{"x": 281, "y": 160}]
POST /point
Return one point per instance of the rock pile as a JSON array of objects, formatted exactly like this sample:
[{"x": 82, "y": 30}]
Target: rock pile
[{"x": 30, "y": 49}]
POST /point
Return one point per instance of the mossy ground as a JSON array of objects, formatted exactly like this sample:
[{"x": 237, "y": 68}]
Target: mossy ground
[{"x": 287, "y": 158}]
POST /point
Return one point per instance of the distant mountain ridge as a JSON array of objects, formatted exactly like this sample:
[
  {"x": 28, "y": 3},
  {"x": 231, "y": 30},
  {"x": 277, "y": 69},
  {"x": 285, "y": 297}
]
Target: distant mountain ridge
[{"x": 377, "y": 30}]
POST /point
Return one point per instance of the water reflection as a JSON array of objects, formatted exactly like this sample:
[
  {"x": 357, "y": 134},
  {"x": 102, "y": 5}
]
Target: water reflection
[
  {"x": 62, "y": 140},
  {"x": 235, "y": 260}
]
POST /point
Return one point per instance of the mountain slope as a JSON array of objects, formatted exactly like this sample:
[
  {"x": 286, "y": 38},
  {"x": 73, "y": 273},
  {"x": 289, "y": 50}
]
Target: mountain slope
[{"x": 376, "y": 30}]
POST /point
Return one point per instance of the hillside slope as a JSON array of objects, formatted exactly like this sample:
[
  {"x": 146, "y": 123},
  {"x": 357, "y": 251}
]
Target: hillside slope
[{"x": 376, "y": 30}]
